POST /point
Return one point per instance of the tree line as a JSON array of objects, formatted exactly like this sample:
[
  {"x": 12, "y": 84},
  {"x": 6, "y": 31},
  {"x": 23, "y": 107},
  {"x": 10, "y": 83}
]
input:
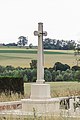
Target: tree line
[
  {"x": 59, "y": 44},
  {"x": 59, "y": 72},
  {"x": 47, "y": 43}
]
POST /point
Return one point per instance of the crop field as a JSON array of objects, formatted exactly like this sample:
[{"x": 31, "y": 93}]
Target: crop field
[{"x": 22, "y": 57}]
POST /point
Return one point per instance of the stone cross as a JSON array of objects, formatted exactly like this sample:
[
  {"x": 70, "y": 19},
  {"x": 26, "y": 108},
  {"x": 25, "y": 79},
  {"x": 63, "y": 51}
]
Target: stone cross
[{"x": 40, "y": 58}]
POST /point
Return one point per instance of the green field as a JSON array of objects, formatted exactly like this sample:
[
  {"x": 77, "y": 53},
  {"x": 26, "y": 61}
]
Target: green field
[{"x": 22, "y": 57}]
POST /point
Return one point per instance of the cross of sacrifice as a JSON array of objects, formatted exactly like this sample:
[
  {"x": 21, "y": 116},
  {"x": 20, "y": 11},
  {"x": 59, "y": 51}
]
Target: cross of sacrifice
[{"x": 40, "y": 57}]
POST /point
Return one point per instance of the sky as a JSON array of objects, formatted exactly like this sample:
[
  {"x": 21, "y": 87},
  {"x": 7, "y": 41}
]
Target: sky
[{"x": 60, "y": 18}]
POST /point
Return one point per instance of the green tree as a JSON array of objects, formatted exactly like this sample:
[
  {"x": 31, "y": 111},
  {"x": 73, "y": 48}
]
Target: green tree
[
  {"x": 17, "y": 73},
  {"x": 29, "y": 75},
  {"x": 33, "y": 64},
  {"x": 9, "y": 68},
  {"x": 53, "y": 75},
  {"x": 76, "y": 68},
  {"x": 59, "y": 78},
  {"x": 61, "y": 66},
  {"x": 47, "y": 75},
  {"x": 22, "y": 41},
  {"x": 77, "y": 75},
  {"x": 2, "y": 69},
  {"x": 25, "y": 78},
  {"x": 34, "y": 75},
  {"x": 30, "y": 46},
  {"x": 68, "y": 75}
]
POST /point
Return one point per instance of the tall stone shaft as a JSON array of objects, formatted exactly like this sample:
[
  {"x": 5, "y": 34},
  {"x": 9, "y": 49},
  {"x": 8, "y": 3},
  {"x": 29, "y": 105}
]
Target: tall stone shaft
[{"x": 40, "y": 56}]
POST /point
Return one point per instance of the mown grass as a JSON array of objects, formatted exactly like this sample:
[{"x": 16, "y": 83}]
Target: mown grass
[
  {"x": 58, "y": 89},
  {"x": 62, "y": 89}
]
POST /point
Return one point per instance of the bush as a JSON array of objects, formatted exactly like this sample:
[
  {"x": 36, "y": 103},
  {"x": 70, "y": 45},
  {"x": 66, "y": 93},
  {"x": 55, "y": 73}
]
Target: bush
[
  {"x": 77, "y": 75},
  {"x": 29, "y": 75},
  {"x": 25, "y": 79},
  {"x": 47, "y": 75},
  {"x": 34, "y": 75},
  {"x": 53, "y": 75},
  {"x": 66, "y": 76},
  {"x": 59, "y": 78},
  {"x": 60, "y": 66},
  {"x": 75, "y": 68}
]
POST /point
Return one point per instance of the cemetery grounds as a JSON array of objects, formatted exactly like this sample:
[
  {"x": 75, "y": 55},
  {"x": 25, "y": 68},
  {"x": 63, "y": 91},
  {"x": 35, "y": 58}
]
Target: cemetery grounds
[
  {"x": 16, "y": 56},
  {"x": 22, "y": 57}
]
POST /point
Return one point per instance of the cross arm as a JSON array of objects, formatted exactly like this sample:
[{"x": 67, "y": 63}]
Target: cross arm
[{"x": 37, "y": 33}]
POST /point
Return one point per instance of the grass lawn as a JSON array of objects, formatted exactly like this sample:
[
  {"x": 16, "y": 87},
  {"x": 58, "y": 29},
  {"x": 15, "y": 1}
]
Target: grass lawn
[{"x": 59, "y": 89}]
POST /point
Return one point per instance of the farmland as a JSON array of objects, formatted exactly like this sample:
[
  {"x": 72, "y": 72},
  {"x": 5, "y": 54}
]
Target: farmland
[{"x": 22, "y": 57}]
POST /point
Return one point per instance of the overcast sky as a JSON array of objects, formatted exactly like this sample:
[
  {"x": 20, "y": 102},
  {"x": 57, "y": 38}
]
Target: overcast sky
[{"x": 61, "y": 19}]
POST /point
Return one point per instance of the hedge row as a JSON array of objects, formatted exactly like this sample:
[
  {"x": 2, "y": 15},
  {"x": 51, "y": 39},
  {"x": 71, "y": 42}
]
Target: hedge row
[{"x": 10, "y": 85}]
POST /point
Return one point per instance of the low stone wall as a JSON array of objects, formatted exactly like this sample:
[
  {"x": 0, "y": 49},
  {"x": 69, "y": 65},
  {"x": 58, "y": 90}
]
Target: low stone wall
[
  {"x": 64, "y": 106},
  {"x": 10, "y": 105}
]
